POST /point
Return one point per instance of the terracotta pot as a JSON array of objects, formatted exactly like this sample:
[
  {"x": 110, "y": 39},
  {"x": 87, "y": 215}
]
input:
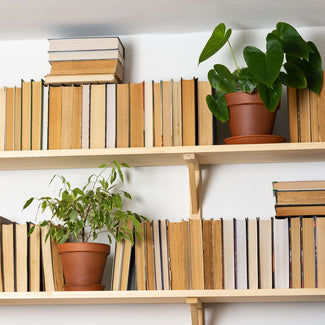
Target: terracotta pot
[
  {"x": 83, "y": 265},
  {"x": 248, "y": 115}
]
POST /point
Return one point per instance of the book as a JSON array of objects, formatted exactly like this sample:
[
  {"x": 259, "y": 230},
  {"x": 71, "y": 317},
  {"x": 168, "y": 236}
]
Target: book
[
  {"x": 293, "y": 114},
  {"x": 48, "y": 275},
  {"x": 188, "y": 108},
  {"x": 85, "y": 55},
  {"x": 136, "y": 115},
  {"x": 308, "y": 252},
  {"x": 149, "y": 255},
  {"x": 241, "y": 254},
  {"x": 320, "y": 111},
  {"x": 157, "y": 254},
  {"x": 117, "y": 267},
  {"x": 157, "y": 115},
  {"x": 66, "y": 118},
  {"x": 281, "y": 253},
  {"x": 86, "y": 43},
  {"x": 314, "y": 120},
  {"x": 21, "y": 257},
  {"x": 76, "y": 117},
  {"x": 54, "y": 117},
  {"x": 110, "y": 115},
  {"x": 300, "y": 197},
  {"x": 207, "y": 254},
  {"x": 85, "y": 116},
  {"x": 8, "y": 256},
  {"x": 217, "y": 254},
  {"x": 205, "y": 125},
  {"x": 148, "y": 114},
  {"x": 10, "y": 107},
  {"x": 300, "y": 210},
  {"x": 252, "y": 253},
  {"x": 34, "y": 271},
  {"x": 295, "y": 252},
  {"x": 299, "y": 185},
  {"x": 228, "y": 254},
  {"x": 320, "y": 248},
  {"x": 196, "y": 257},
  {"x": 45, "y": 114},
  {"x": 177, "y": 127},
  {"x": 167, "y": 113},
  {"x": 122, "y": 115},
  {"x": 83, "y": 78},
  {"x": 97, "y": 116},
  {"x": 140, "y": 263},
  {"x": 57, "y": 267},
  {"x": 304, "y": 115},
  {"x": 26, "y": 114},
  {"x": 265, "y": 253},
  {"x": 2, "y": 118},
  {"x": 37, "y": 105},
  {"x": 164, "y": 254},
  {"x": 79, "y": 67}
]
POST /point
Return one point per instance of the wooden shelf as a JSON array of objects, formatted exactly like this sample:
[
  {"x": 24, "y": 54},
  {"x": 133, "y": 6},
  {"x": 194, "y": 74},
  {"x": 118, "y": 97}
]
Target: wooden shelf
[
  {"x": 164, "y": 156},
  {"x": 161, "y": 297}
]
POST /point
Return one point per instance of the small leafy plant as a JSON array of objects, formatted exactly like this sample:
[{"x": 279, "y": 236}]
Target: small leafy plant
[
  {"x": 84, "y": 213},
  {"x": 285, "y": 49}
]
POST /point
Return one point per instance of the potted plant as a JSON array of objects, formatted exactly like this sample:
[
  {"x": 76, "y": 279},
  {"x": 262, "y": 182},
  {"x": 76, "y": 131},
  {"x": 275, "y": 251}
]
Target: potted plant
[
  {"x": 256, "y": 88},
  {"x": 81, "y": 214}
]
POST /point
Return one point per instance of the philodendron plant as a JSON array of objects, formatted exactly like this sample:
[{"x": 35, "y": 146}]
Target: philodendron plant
[
  {"x": 288, "y": 60},
  {"x": 83, "y": 213}
]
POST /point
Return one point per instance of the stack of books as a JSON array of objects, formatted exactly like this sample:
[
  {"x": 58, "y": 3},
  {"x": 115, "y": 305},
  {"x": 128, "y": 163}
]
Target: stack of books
[{"x": 78, "y": 60}]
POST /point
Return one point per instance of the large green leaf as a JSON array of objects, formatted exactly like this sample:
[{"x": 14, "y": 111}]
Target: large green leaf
[
  {"x": 221, "y": 79},
  {"x": 246, "y": 81},
  {"x": 216, "y": 41},
  {"x": 265, "y": 67},
  {"x": 294, "y": 77},
  {"x": 218, "y": 106},
  {"x": 270, "y": 95}
]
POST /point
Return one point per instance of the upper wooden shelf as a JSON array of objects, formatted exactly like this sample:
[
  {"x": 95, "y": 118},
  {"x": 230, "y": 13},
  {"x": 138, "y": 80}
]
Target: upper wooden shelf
[
  {"x": 160, "y": 297},
  {"x": 163, "y": 156}
]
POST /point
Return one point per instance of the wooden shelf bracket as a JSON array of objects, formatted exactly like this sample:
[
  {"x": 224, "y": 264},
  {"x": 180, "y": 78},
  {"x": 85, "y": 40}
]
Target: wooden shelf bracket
[
  {"x": 194, "y": 183},
  {"x": 197, "y": 311}
]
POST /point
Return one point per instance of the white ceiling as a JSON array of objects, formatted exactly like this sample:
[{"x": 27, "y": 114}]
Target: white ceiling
[{"x": 39, "y": 19}]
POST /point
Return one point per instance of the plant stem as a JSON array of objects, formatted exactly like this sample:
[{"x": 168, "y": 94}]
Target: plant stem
[{"x": 233, "y": 55}]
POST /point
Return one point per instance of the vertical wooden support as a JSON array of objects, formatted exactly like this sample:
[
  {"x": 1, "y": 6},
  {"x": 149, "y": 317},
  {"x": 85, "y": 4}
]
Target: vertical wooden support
[
  {"x": 194, "y": 183},
  {"x": 197, "y": 312}
]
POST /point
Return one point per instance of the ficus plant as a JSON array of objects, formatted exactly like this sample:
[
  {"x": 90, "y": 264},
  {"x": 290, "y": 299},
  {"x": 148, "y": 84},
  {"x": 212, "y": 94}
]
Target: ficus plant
[
  {"x": 97, "y": 207},
  {"x": 288, "y": 60}
]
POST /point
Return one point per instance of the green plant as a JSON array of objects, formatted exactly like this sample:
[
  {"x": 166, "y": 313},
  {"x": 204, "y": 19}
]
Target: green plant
[
  {"x": 285, "y": 48},
  {"x": 83, "y": 213}
]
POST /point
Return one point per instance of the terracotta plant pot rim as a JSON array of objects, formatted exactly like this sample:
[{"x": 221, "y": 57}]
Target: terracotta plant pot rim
[
  {"x": 240, "y": 98},
  {"x": 84, "y": 247}
]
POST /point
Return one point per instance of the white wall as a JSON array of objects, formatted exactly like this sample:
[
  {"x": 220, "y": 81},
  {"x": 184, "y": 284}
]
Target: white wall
[{"x": 162, "y": 192}]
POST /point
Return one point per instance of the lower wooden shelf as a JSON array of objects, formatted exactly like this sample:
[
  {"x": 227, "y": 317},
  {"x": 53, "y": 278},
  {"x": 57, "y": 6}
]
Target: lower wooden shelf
[{"x": 161, "y": 297}]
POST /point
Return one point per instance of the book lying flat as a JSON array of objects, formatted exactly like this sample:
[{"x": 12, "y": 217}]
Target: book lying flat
[{"x": 83, "y": 78}]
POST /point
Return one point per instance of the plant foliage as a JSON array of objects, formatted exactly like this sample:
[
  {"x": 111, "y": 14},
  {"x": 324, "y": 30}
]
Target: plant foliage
[
  {"x": 84, "y": 213},
  {"x": 288, "y": 60}
]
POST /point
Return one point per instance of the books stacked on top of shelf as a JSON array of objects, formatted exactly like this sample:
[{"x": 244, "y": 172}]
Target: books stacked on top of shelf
[{"x": 84, "y": 60}]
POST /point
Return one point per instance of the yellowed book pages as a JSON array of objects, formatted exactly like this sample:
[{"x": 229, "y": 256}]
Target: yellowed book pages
[
  {"x": 167, "y": 113},
  {"x": 97, "y": 116},
  {"x": 37, "y": 105},
  {"x": 321, "y": 112},
  {"x": 308, "y": 252},
  {"x": 207, "y": 254},
  {"x": 252, "y": 250},
  {"x": 295, "y": 247},
  {"x": 136, "y": 115},
  {"x": 55, "y": 111},
  {"x": 82, "y": 78},
  {"x": 304, "y": 115},
  {"x": 21, "y": 257},
  {"x": 48, "y": 276},
  {"x": 300, "y": 197},
  {"x": 8, "y": 258},
  {"x": 10, "y": 106},
  {"x": 186, "y": 259},
  {"x": 205, "y": 126},
  {"x": 164, "y": 254},
  {"x": 228, "y": 254},
  {"x": 150, "y": 264},
  {"x": 314, "y": 127},
  {"x": 57, "y": 267},
  {"x": 299, "y": 185},
  {"x": 26, "y": 114},
  {"x": 188, "y": 106},
  {"x": 140, "y": 264},
  {"x": 293, "y": 114},
  {"x": 122, "y": 115},
  {"x": 2, "y": 118},
  {"x": 265, "y": 254},
  {"x": 148, "y": 114},
  {"x": 84, "y": 67},
  {"x": 35, "y": 260},
  {"x": 320, "y": 247},
  {"x": 17, "y": 132},
  {"x": 177, "y": 113},
  {"x": 76, "y": 117},
  {"x": 157, "y": 254},
  {"x": 312, "y": 210},
  {"x": 217, "y": 254},
  {"x": 157, "y": 111},
  {"x": 117, "y": 270},
  {"x": 175, "y": 256},
  {"x": 66, "y": 125}
]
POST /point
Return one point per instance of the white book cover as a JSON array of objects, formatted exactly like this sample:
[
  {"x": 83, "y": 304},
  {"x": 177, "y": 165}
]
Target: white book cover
[
  {"x": 228, "y": 254},
  {"x": 45, "y": 117},
  {"x": 241, "y": 255},
  {"x": 148, "y": 113},
  {"x": 85, "y": 117},
  {"x": 110, "y": 115},
  {"x": 2, "y": 118},
  {"x": 252, "y": 250},
  {"x": 281, "y": 253}
]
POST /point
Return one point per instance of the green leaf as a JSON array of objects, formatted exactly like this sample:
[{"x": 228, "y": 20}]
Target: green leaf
[
  {"x": 216, "y": 41},
  {"x": 265, "y": 67},
  {"x": 44, "y": 223},
  {"x": 73, "y": 215},
  {"x": 31, "y": 230},
  {"x": 218, "y": 106},
  {"x": 294, "y": 78},
  {"x": 246, "y": 81},
  {"x": 125, "y": 165},
  {"x": 270, "y": 95},
  {"x": 127, "y": 195},
  {"x": 28, "y": 203},
  {"x": 221, "y": 79},
  {"x": 102, "y": 166}
]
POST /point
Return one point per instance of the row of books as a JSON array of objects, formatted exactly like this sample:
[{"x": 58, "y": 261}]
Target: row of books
[
  {"x": 166, "y": 113},
  {"x": 306, "y": 115},
  {"x": 28, "y": 263},
  {"x": 224, "y": 254},
  {"x": 77, "y": 60}
]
